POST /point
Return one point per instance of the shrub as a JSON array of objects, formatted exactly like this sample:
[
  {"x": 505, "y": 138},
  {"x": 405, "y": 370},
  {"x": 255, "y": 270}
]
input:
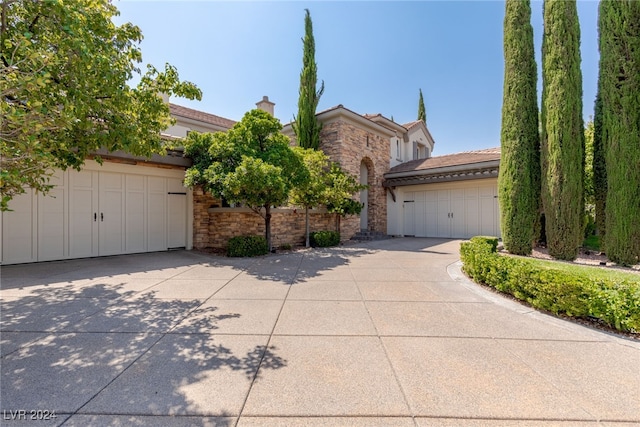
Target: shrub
[
  {"x": 614, "y": 301},
  {"x": 247, "y": 246},
  {"x": 323, "y": 239}
]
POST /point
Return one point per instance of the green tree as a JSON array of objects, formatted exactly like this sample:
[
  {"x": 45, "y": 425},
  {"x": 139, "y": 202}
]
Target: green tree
[
  {"x": 599, "y": 170},
  {"x": 519, "y": 182},
  {"x": 342, "y": 187},
  {"x": 252, "y": 164},
  {"x": 306, "y": 125},
  {"x": 64, "y": 90},
  {"x": 562, "y": 139},
  {"x": 327, "y": 185},
  {"x": 619, "y": 43},
  {"x": 422, "y": 112}
]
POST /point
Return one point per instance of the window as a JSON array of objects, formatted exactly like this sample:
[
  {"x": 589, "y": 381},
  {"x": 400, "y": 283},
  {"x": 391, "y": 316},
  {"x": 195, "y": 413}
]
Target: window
[{"x": 398, "y": 154}]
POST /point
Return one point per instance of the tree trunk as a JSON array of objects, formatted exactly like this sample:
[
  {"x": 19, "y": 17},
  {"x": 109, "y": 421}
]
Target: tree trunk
[
  {"x": 306, "y": 226},
  {"x": 267, "y": 225}
]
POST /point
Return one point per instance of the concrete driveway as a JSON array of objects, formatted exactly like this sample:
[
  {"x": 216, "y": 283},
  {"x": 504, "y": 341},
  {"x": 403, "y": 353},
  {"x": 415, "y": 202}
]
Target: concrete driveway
[{"x": 381, "y": 334}]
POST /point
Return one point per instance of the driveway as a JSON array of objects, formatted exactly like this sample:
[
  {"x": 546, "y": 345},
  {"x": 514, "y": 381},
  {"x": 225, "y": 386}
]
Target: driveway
[{"x": 381, "y": 334}]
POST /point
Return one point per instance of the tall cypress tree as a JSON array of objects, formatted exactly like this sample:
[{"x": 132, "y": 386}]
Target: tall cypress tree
[
  {"x": 422, "y": 112},
  {"x": 599, "y": 172},
  {"x": 519, "y": 182},
  {"x": 619, "y": 81},
  {"x": 306, "y": 126},
  {"x": 562, "y": 139}
]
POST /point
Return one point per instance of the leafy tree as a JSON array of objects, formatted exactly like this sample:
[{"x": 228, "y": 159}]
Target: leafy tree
[
  {"x": 252, "y": 164},
  {"x": 562, "y": 139},
  {"x": 64, "y": 90},
  {"x": 422, "y": 112},
  {"x": 342, "y": 187},
  {"x": 519, "y": 183},
  {"x": 619, "y": 43},
  {"x": 306, "y": 125},
  {"x": 327, "y": 185}
]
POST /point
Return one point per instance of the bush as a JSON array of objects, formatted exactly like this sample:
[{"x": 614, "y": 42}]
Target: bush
[
  {"x": 323, "y": 239},
  {"x": 616, "y": 302},
  {"x": 247, "y": 246}
]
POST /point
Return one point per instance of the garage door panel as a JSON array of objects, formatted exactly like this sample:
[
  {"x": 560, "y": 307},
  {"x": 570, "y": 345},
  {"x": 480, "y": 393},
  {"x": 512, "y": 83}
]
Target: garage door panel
[
  {"x": 52, "y": 230},
  {"x": 157, "y": 214},
  {"x": 96, "y": 212},
  {"x": 461, "y": 212},
  {"x": 111, "y": 213},
  {"x": 83, "y": 214},
  {"x": 177, "y": 214},
  {"x": 19, "y": 230},
  {"x": 135, "y": 214}
]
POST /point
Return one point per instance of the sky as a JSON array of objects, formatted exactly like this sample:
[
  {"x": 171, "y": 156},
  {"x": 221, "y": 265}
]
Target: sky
[{"x": 373, "y": 56}]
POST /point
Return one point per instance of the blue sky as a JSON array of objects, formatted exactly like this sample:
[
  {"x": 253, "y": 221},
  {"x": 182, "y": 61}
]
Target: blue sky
[{"x": 373, "y": 56}]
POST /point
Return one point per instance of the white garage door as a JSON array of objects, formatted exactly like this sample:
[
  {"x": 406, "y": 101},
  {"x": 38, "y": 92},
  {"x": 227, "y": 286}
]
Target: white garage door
[
  {"x": 452, "y": 213},
  {"x": 110, "y": 210}
]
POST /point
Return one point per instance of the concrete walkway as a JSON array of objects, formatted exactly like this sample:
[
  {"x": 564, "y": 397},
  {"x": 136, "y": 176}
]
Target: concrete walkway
[{"x": 381, "y": 334}]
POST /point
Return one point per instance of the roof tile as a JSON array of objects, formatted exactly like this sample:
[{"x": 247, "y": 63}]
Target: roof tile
[
  {"x": 464, "y": 158},
  {"x": 190, "y": 113}
]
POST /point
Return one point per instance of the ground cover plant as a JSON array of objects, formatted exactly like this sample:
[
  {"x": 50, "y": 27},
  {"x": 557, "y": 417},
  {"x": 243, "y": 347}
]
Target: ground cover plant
[{"x": 612, "y": 298}]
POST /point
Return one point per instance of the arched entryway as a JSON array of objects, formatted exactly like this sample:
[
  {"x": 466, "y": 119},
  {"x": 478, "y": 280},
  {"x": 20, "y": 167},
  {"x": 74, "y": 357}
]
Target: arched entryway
[{"x": 366, "y": 178}]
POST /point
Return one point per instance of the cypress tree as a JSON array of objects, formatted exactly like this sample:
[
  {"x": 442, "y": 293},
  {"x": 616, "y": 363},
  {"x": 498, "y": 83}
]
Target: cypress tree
[
  {"x": 306, "y": 126},
  {"x": 422, "y": 112},
  {"x": 599, "y": 172},
  {"x": 519, "y": 182},
  {"x": 619, "y": 43},
  {"x": 562, "y": 139}
]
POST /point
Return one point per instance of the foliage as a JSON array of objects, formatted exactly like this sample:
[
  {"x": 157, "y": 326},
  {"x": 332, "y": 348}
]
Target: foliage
[
  {"x": 592, "y": 242},
  {"x": 575, "y": 292},
  {"x": 589, "y": 194},
  {"x": 247, "y": 246},
  {"x": 251, "y": 164},
  {"x": 519, "y": 182},
  {"x": 324, "y": 239},
  {"x": 342, "y": 187},
  {"x": 327, "y": 185},
  {"x": 64, "y": 90},
  {"x": 422, "y": 112},
  {"x": 599, "y": 170},
  {"x": 619, "y": 84},
  {"x": 306, "y": 125},
  {"x": 562, "y": 139}
]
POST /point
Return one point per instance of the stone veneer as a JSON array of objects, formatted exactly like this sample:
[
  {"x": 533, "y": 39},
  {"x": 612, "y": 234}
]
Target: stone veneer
[
  {"x": 350, "y": 145},
  {"x": 214, "y": 226}
]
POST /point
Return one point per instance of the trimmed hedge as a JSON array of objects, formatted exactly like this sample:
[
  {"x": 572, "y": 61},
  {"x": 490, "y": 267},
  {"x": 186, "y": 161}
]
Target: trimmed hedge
[
  {"x": 323, "y": 239},
  {"x": 615, "y": 302},
  {"x": 247, "y": 246}
]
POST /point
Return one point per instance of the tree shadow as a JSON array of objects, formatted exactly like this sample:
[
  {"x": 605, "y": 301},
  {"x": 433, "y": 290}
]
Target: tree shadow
[{"x": 98, "y": 350}]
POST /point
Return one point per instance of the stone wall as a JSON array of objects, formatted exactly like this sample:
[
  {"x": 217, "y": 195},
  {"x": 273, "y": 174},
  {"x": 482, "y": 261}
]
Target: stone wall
[{"x": 287, "y": 225}]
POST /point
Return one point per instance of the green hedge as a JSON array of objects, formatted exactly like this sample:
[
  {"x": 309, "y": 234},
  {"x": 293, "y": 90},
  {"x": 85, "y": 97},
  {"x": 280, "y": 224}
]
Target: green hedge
[
  {"x": 243, "y": 246},
  {"x": 323, "y": 239},
  {"x": 615, "y": 302}
]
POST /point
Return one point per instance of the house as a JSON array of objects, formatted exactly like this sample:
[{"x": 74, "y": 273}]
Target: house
[
  {"x": 130, "y": 204},
  {"x": 126, "y": 205}
]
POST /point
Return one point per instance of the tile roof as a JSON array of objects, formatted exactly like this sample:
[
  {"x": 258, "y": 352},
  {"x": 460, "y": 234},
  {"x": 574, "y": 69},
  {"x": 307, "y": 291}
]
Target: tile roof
[
  {"x": 190, "y": 113},
  {"x": 464, "y": 158},
  {"x": 411, "y": 124}
]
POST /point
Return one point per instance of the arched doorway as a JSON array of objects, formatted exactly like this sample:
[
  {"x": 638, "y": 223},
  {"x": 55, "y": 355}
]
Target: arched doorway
[{"x": 364, "y": 197}]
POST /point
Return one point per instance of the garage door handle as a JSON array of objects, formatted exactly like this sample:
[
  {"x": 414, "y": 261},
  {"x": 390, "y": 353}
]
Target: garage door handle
[
  {"x": 101, "y": 216},
  {"x": 95, "y": 217}
]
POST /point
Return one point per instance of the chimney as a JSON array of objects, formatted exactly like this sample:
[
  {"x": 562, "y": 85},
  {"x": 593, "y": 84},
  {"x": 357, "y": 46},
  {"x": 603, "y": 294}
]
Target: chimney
[{"x": 265, "y": 105}]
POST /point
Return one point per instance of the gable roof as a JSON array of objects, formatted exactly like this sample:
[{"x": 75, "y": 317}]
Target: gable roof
[{"x": 201, "y": 116}]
